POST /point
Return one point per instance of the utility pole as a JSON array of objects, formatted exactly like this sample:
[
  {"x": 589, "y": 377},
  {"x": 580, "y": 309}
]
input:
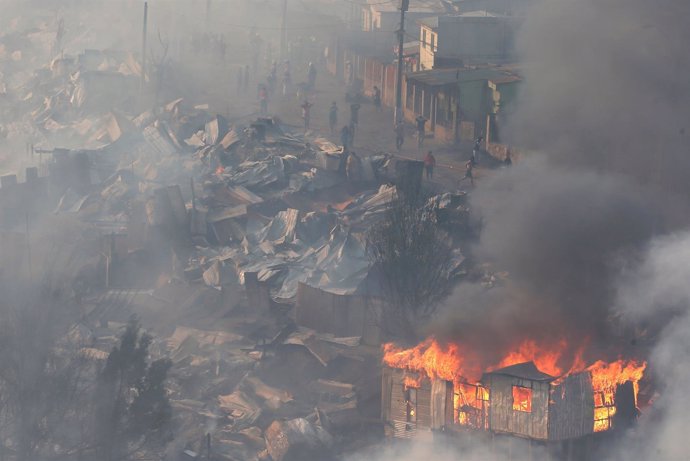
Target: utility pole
[
  {"x": 398, "y": 115},
  {"x": 143, "y": 46},
  {"x": 283, "y": 32}
]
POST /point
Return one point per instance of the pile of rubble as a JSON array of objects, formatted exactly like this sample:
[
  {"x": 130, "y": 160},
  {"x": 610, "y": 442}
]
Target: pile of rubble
[{"x": 206, "y": 229}]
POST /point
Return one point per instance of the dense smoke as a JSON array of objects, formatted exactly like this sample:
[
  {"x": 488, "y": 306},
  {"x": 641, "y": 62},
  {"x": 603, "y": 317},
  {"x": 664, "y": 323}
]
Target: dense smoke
[
  {"x": 605, "y": 103},
  {"x": 562, "y": 235},
  {"x": 658, "y": 288},
  {"x": 579, "y": 228},
  {"x": 606, "y": 86}
]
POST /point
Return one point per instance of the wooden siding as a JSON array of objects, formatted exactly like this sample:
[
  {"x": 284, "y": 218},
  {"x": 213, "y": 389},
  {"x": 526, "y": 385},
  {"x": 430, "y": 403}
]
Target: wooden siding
[
  {"x": 502, "y": 417},
  {"x": 394, "y": 405},
  {"x": 441, "y": 403},
  {"x": 571, "y": 412}
]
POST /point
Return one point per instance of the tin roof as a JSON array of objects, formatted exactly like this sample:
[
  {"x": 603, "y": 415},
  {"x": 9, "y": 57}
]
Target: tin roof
[
  {"x": 527, "y": 370},
  {"x": 441, "y": 77}
]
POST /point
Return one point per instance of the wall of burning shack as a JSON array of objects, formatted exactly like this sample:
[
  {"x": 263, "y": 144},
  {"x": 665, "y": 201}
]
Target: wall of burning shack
[{"x": 424, "y": 389}]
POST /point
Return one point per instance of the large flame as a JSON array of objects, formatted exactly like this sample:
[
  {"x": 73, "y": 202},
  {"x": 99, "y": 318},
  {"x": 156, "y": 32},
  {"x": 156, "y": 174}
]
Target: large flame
[{"x": 457, "y": 363}]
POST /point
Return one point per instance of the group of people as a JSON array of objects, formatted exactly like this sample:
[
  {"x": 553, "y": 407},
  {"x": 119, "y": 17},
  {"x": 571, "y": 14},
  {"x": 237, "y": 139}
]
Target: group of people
[{"x": 352, "y": 163}]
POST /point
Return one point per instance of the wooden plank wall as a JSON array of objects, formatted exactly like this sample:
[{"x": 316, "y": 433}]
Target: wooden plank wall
[
  {"x": 502, "y": 417},
  {"x": 571, "y": 413},
  {"x": 394, "y": 407}
]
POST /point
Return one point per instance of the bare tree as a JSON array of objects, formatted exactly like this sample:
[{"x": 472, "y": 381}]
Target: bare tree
[
  {"x": 133, "y": 412},
  {"x": 40, "y": 377},
  {"x": 412, "y": 260}
]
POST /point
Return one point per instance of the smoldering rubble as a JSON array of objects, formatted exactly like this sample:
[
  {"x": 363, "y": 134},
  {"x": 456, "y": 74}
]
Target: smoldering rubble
[{"x": 209, "y": 230}]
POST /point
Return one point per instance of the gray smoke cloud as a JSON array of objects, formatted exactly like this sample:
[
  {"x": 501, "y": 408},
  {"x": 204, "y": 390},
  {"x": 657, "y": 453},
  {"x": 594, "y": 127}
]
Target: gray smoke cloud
[
  {"x": 595, "y": 228},
  {"x": 605, "y": 86},
  {"x": 658, "y": 288},
  {"x": 563, "y": 235}
]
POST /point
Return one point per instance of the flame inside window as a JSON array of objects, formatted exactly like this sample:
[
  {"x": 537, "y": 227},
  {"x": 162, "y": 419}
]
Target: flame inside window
[{"x": 522, "y": 399}]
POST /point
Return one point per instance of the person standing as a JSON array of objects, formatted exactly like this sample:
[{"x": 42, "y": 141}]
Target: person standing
[
  {"x": 306, "y": 112},
  {"x": 421, "y": 130},
  {"x": 476, "y": 149},
  {"x": 333, "y": 117},
  {"x": 429, "y": 164},
  {"x": 469, "y": 172},
  {"x": 399, "y": 135},
  {"x": 377, "y": 98},
  {"x": 345, "y": 137}
]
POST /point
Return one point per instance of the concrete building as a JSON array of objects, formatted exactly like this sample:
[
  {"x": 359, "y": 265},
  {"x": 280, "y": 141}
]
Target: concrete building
[
  {"x": 456, "y": 40},
  {"x": 460, "y": 103}
]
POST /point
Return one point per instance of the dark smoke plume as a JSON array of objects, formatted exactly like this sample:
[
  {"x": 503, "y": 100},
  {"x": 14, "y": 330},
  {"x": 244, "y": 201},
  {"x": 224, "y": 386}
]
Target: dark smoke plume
[{"x": 606, "y": 87}]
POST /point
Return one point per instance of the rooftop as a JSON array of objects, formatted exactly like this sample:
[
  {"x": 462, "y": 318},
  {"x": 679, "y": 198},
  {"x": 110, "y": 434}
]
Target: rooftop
[
  {"x": 440, "y": 77},
  {"x": 527, "y": 370}
]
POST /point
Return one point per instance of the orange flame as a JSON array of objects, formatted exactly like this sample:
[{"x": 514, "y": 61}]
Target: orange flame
[{"x": 454, "y": 362}]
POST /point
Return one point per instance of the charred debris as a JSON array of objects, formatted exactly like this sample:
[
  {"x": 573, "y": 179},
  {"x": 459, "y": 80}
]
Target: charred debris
[{"x": 240, "y": 245}]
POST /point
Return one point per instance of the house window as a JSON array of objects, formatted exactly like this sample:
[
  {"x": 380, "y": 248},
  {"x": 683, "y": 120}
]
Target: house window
[
  {"x": 423, "y": 38},
  {"x": 522, "y": 399},
  {"x": 433, "y": 42},
  {"x": 604, "y": 410}
]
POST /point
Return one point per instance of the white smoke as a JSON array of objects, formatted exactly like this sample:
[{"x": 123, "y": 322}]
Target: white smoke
[{"x": 658, "y": 292}]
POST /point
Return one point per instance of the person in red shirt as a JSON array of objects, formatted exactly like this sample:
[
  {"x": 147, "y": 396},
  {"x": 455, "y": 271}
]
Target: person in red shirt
[{"x": 429, "y": 164}]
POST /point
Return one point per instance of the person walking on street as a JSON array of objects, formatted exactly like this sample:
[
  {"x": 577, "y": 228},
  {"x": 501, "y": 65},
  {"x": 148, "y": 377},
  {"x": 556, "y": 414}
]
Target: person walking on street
[
  {"x": 421, "y": 123},
  {"x": 399, "y": 135},
  {"x": 469, "y": 173},
  {"x": 306, "y": 112},
  {"x": 429, "y": 164},
  {"x": 333, "y": 117},
  {"x": 377, "y": 98},
  {"x": 476, "y": 149},
  {"x": 345, "y": 137}
]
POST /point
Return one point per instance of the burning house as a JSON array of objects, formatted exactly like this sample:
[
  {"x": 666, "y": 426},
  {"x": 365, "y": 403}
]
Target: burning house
[{"x": 431, "y": 388}]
